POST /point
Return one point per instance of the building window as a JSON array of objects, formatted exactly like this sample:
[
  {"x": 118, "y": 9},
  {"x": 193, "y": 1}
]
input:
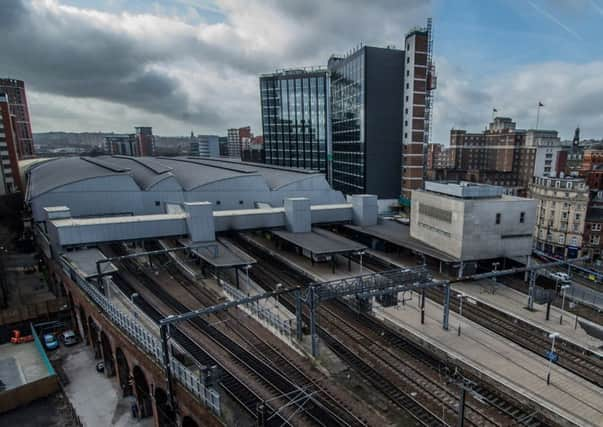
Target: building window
[
  {"x": 497, "y": 218},
  {"x": 594, "y": 240},
  {"x": 522, "y": 217},
  {"x": 240, "y": 202},
  {"x": 157, "y": 203},
  {"x": 574, "y": 241},
  {"x": 578, "y": 217},
  {"x": 218, "y": 202},
  {"x": 596, "y": 227}
]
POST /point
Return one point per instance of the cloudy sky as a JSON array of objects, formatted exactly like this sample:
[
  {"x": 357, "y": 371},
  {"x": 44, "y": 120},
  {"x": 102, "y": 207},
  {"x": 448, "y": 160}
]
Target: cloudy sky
[{"x": 182, "y": 65}]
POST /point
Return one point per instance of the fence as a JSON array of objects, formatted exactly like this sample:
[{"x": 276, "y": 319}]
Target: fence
[
  {"x": 146, "y": 341},
  {"x": 585, "y": 296},
  {"x": 260, "y": 310}
]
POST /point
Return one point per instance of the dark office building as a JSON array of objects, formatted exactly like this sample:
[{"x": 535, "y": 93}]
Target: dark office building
[
  {"x": 366, "y": 121},
  {"x": 294, "y": 118}
]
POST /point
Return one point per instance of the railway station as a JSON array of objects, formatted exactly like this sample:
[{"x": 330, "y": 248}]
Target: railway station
[{"x": 216, "y": 291}]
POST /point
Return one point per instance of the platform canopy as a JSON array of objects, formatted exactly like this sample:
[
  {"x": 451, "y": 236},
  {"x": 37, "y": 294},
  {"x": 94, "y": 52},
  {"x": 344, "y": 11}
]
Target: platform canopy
[
  {"x": 84, "y": 261},
  {"x": 320, "y": 242},
  {"x": 218, "y": 255},
  {"x": 399, "y": 234}
]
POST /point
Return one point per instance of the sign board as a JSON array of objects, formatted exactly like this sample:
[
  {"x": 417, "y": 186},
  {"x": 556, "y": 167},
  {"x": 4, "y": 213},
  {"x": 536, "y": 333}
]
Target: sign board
[{"x": 552, "y": 356}]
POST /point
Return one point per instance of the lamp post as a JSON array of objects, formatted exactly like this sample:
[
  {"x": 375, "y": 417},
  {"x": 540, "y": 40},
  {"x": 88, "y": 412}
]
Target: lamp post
[
  {"x": 552, "y": 336},
  {"x": 563, "y": 288},
  {"x": 278, "y": 287},
  {"x": 495, "y": 266},
  {"x": 461, "y": 297},
  {"x": 247, "y": 267},
  {"x": 360, "y": 254}
]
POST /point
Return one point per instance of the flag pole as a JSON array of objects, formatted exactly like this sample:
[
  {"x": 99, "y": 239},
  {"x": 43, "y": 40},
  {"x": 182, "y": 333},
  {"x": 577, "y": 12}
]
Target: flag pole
[{"x": 538, "y": 114}]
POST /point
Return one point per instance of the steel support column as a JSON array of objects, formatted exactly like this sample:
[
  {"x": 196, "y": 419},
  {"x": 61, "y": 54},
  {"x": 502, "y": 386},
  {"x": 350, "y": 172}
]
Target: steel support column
[
  {"x": 422, "y": 306},
  {"x": 528, "y": 264},
  {"x": 531, "y": 290},
  {"x": 313, "y": 302},
  {"x": 298, "y": 314},
  {"x": 164, "y": 331},
  {"x": 461, "y": 419},
  {"x": 446, "y": 306}
]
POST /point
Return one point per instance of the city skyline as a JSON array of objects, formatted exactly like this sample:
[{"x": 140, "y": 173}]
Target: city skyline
[{"x": 201, "y": 70}]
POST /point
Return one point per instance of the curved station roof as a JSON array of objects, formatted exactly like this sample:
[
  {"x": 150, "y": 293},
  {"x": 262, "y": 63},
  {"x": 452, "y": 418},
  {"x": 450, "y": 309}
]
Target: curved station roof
[{"x": 189, "y": 172}]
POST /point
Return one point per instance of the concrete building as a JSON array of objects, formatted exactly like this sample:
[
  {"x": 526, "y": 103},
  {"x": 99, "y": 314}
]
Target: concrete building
[
  {"x": 551, "y": 154},
  {"x": 419, "y": 82},
  {"x": 205, "y": 146},
  {"x": 294, "y": 107},
  {"x": 366, "y": 125},
  {"x": 10, "y": 180},
  {"x": 561, "y": 214},
  {"x": 19, "y": 110},
  {"x": 471, "y": 221},
  {"x": 119, "y": 185}
]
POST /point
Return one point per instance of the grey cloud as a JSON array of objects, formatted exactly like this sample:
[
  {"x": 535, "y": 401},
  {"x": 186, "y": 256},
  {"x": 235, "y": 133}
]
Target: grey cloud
[{"x": 146, "y": 61}]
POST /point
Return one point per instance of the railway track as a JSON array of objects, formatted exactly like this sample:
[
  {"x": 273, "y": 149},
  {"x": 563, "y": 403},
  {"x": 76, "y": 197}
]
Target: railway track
[
  {"x": 261, "y": 345},
  {"x": 235, "y": 388},
  {"x": 311, "y": 410},
  {"x": 399, "y": 369},
  {"x": 578, "y": 360}
]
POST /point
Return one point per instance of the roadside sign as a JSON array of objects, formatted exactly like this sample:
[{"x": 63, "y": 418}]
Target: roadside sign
[{"x": 552, "y": 356}]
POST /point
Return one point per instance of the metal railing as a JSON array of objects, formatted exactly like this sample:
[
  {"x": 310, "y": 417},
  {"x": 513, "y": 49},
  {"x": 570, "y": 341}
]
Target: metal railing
[
  {"x": 146, "y": 341},
  {"x": 586, "y": 296},
  {"x": 260, "y": 311}
]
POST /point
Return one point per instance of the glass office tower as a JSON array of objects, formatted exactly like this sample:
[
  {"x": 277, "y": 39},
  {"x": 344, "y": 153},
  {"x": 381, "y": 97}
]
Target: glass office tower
[
  {"x": 347, "y": 123},
  {"x": 294, "y": 118},
  {"x": 366, "y": 126}
]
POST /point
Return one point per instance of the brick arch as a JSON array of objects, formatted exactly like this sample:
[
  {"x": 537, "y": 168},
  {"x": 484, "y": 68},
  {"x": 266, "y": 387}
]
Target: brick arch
[
  {"x": 189, "y": 422},
  {"x": 142, "y": 391},
  {"x": 122, "y": 369},
  {"x": 107, "y": 354},
  {"x": 94, "y": 332},
  {"x": 166, "y": 417}
]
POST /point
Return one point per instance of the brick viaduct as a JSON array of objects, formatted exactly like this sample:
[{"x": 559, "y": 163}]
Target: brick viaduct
[{"x": 137, "y": 374}]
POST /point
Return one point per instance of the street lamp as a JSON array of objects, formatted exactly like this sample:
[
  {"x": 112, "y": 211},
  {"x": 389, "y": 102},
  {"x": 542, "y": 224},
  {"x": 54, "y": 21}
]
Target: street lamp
[
  {"x": 247, "y": 267},
  {"x": 563, "y": 288},
  {"x": 551, "y": 356},
  {"x": 360, "y": 254},
  {"x": 495, "y": 266},
  {"x": 461, "y": 297},
  {"x": 278, "y": 288}
]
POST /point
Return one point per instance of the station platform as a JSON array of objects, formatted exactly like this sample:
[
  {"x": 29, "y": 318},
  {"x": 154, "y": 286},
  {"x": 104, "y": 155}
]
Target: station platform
[
  {"x": 318, "y": 271},
  {"x": 568, "y": 397},
  {"x": 399, "y": 234},
  {"x": 514, "y": 302}
]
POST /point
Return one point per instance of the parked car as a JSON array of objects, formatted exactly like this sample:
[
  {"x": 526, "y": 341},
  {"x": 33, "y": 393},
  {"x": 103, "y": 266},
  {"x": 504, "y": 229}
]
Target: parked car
[
  {"x": 561, "y": 277},
  {"x": 50, "y": 342},
  {"x": 68, "y": 338}
]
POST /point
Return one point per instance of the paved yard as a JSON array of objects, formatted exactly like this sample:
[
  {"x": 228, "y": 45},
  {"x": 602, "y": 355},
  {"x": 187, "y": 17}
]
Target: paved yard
[{"x": 96, "y": 398}]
